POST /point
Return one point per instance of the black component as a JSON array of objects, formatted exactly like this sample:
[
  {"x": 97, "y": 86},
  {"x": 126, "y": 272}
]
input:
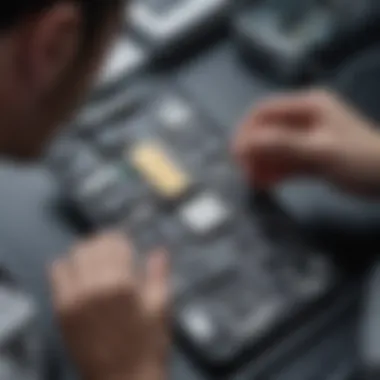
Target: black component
[
  {"x": 117, "y": 107},
  {"x": 358, "y": 81},
  {"x": 72, "y": 159},
  {"x": 160, "y": 7},
  {"x": 171, "y": 27},
  {"x": 298, "y": 40}
]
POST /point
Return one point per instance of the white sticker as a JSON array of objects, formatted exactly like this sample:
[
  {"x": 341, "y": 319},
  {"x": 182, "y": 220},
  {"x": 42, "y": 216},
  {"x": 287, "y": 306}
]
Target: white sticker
[
  {"x": 173, "y": 113},
  {"x": 199, "y": 324},
  {"x": 125, "y": 57},
  {"x": 205, "y": 214}
]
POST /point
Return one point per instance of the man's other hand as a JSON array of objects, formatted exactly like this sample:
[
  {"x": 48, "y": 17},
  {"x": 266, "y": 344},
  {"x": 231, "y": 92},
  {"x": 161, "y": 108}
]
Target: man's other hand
[
  {"x": 311, "y": 133},
  {"x": 113, "y": 318}
]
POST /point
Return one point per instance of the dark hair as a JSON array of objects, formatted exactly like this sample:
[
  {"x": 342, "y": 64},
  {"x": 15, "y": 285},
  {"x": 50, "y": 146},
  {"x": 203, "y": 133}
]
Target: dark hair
[{"x": 94, "y": 11}]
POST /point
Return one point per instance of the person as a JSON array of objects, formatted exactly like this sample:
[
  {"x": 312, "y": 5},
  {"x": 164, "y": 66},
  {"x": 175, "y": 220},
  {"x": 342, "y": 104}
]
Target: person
[
  {"x": 113, "y": 321},
  {"x": 114, "y": 317}
]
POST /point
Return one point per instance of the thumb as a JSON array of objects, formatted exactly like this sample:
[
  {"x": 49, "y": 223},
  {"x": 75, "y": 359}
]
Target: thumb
[
  {"x": 157, "y": 283},
  {"x": 275, "y": 143}
]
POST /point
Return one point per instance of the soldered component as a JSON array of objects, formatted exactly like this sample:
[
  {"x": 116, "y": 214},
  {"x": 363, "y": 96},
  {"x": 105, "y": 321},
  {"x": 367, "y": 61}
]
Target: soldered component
[
  {"x": 204, "y": 214},
  {"x": 159, "y": 170}
]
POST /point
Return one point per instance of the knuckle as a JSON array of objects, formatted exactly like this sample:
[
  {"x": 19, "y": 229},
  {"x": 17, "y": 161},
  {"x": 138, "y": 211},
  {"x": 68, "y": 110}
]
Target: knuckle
[
  {"x": 326, "y": 145},
  {"x": 322, "y": 97},
  {"x": 80, "y": 249},
  {"x": 90, "y": 300},
  {"x": 115, "y": 242},
  {"x": 70, "y": 307},
  {"x": 113, "y": 290},
  {"x": 264, "y": 104},
  {"x": 160, "y": 310},
  {"x": 96, "y": 240},
  {"x": 122, "y": 288}
]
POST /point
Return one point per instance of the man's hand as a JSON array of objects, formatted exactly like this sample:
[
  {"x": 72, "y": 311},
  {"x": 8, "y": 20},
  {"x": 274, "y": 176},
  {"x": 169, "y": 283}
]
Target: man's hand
[
  {"x": 310, "y": 134},
  {"x": 113, "y": 320}
]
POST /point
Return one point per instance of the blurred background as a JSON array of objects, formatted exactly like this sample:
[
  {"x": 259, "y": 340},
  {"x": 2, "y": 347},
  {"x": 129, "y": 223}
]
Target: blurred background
[{"x": 265, "y": 286}]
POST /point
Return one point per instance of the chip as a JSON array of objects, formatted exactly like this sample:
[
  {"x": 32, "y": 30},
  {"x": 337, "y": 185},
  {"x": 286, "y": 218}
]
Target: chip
[
  {"x": 155, "y": 165},
  {"x": 205, "y": 213},
  {"x": 199, "y": 323},
  {"x": 175, "y": 114}
]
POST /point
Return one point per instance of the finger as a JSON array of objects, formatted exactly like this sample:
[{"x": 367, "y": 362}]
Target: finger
[
  {"x": 62, "y": 284},
  {"x": 243, "y": 130},
  {"x": 277, "y": 142},
  {"x": 274, "y": 154},
  {"x": 112, "y": 251},
  {"x": 292, "y": 110},
  {"x": 157, "y": 283},
  {"x": 109, "y": 257},
  {"x": 303, "y": 105}
]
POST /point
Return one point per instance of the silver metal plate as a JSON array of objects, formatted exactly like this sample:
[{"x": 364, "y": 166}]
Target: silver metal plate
[{"x": 179, "y": 19}]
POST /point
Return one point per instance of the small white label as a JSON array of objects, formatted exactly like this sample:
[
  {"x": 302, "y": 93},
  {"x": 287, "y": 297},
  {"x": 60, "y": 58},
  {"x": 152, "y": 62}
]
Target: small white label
[
  {"x": 175, "y": 114},
  {"x": 199, "y": 324},
  {"x": 125, "y": 57},
  {"x": 205, "y": 214}
]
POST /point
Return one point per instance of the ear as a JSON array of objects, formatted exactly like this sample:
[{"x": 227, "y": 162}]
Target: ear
[{"x": 50, "y": 43}]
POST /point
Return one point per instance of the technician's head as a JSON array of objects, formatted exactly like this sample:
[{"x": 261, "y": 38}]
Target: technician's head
[{"x": 50, "y": 51}]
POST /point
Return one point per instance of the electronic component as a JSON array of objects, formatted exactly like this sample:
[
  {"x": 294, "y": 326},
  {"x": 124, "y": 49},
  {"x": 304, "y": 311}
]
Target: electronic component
[
  {"x": 125, "y": 59},
  {"x": 198, "y": 321},
  {"x": 174, "y": 114},
  {"x": 204, "y": 214},
  {"x": 297, "y": 41},
  {"x": 101, "y": 110},
  {"x": 97, "y": 182},
  {"x": 159, "y": 170},
  {"x": 169, "y": 22},
  {"x": 181, "y": 126},
  {"x": 283, "y": 38}
]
